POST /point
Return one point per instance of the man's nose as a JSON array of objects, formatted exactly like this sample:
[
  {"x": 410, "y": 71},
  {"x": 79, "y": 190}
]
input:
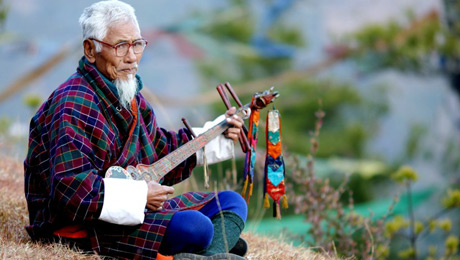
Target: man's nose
[{"x": 130, "y": 56}]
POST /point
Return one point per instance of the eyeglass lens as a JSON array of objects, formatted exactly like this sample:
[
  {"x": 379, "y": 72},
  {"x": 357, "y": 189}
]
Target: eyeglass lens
[{"x": 138, "y": 47}]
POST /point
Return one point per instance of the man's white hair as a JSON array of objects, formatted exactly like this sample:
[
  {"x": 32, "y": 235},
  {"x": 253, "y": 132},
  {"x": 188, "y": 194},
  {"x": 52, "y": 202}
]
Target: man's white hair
[
  {"x": 126, "y": 90},
  {"x": 98, "y": 17}
]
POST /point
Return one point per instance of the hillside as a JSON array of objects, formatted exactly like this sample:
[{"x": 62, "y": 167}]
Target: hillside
[{"x": 15, "y": 243}]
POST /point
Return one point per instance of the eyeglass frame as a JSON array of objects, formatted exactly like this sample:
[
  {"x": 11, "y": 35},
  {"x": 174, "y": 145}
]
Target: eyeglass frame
[{"x": 115, "y": 46}]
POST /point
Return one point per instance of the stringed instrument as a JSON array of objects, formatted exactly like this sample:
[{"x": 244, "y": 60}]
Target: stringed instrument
[{"x": 156, "y": 171}]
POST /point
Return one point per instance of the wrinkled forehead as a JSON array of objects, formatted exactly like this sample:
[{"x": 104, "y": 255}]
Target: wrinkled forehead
[{"x": 123, "y": 31}]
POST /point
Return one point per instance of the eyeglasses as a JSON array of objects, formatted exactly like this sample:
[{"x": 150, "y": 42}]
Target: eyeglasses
[{"x": 122, "y": 48}]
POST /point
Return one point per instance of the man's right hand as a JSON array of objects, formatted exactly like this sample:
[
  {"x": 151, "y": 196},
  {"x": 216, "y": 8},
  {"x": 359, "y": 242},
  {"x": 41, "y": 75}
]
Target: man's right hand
[{"x": 156, "y": 195}]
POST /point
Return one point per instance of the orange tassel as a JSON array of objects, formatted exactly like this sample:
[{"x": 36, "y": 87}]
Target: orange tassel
[
  {"x": 266, "y": 202},
  {"x": 249, "y": 193},
  {"x": 284, "y": 202},
  {"x": 245, "y": 186}
]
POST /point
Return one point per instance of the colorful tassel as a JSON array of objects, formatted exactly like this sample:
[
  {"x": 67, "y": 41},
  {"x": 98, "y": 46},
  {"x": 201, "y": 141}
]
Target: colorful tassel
[
  {"x": 251, "y": 154},
  {"x": 274, "y": 170},
  {"x": 245, "y": 186}
]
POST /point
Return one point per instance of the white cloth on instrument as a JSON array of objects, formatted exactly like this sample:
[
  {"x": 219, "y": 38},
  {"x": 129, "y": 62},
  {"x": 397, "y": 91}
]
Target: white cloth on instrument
[
  {"x": 124, "y": 201},
  {"x": 217, "y": 150}
]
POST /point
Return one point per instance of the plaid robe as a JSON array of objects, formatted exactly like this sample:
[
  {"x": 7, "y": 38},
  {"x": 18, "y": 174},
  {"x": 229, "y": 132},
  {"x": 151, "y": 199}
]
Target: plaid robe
[{"x": 79, "y": 132}]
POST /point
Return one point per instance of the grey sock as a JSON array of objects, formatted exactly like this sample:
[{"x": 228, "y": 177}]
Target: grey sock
[{"x": 232, "y": 226}]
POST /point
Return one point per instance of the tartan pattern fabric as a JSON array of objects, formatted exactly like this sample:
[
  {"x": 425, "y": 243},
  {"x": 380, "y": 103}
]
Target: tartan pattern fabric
[
  {"x": 143, "y": 241},
  {"x": 75, "y": 136}
]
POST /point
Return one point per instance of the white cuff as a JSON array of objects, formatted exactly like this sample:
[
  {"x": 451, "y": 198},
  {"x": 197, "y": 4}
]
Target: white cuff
[
  {"x": 124, "y": 201},
  {"x": 217, "y": 150}
]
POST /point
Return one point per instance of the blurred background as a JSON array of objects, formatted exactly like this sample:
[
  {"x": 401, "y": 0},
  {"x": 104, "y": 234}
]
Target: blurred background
[{"x": 385, "y": 73}]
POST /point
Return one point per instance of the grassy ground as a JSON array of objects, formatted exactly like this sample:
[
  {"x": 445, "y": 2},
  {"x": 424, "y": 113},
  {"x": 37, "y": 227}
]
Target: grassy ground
[{"x": 15, "y": 243}]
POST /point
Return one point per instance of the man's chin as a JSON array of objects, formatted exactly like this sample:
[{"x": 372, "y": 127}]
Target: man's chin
[
  {"x": 126, "y": 89},
  {"x": 126, "y": 75}
]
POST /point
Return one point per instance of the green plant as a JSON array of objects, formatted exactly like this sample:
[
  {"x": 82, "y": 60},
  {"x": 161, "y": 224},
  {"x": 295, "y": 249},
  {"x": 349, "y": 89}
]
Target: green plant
[
  {"x": 410, "y": 45},
  {"x": 33, "y": 101},
  {"x": 414, "y": 230},
  {"x": 406, "y": 47},
  {"x": 335, "y": 227}
]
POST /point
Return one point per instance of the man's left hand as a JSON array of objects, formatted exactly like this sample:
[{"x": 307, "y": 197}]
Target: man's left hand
[{"x": 237, "y": 122}]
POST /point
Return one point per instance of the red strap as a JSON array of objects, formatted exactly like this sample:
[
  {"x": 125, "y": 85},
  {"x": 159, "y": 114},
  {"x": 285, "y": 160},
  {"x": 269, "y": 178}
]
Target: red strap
[
  {"x": 134, "y": 111},
  {"x": 164, "y": 257},
  {"x": 74, "y": 231}
]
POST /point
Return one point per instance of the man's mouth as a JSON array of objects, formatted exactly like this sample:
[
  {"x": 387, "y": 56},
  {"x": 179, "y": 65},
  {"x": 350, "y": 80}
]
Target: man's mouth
[{"x": 130, "y": 70}]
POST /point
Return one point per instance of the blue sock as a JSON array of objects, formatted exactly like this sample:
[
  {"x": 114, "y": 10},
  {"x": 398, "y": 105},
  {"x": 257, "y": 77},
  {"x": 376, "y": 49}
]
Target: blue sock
[
  {"x": 180, "y": 236},
  {"x": 228, "y": 200},
  {"x": 188, "y": 231}
]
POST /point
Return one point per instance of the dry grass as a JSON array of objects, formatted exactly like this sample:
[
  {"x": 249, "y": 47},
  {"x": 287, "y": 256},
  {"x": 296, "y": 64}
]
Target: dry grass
[
  {"x": 16, "y": 244},
  {"x": 268, "y": 248}
]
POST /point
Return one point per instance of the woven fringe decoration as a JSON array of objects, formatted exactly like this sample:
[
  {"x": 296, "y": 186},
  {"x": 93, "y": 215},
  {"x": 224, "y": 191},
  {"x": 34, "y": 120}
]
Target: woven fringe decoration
[
  {"x": 251, "y": 154},
  {"x": 274, "y": 171},
  {"x": 205, "y": 169}
]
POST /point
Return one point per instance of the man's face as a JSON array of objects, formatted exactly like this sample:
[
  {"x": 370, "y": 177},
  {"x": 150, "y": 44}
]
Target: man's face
[{"x": 108, "y": 63}]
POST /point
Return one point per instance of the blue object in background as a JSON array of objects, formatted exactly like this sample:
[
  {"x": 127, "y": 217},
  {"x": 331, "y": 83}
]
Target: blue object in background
[{"x": 265, "y": 46}]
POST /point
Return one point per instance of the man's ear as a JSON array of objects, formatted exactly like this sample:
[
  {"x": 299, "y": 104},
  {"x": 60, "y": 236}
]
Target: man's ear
[{"x": 90, "y": 50}]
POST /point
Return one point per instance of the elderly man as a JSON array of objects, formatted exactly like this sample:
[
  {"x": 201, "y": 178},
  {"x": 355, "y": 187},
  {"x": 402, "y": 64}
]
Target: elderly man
[{"x": 98, "y": 119}]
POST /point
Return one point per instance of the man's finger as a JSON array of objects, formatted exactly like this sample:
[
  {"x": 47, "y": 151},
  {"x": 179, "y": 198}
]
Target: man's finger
[
  {"x": 168, "y": 190},
  {"x": 234, "y": 130},
  {"x": 235, "y": 122},
  {"x": 230, "y": 111}
]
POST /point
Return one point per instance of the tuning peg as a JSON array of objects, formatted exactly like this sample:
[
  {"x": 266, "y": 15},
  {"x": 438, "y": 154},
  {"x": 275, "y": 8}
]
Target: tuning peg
[
  {"x": 187, "y": 125},
  {"x": 244, "y": 143}
]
